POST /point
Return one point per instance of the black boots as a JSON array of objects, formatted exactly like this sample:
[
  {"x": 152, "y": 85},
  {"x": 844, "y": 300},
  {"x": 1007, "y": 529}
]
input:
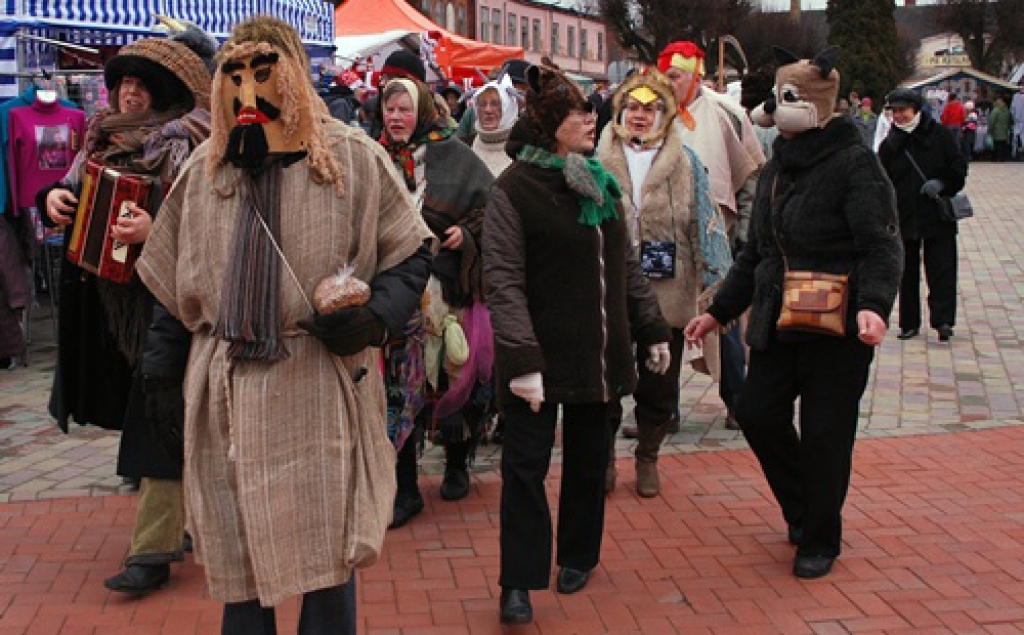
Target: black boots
[
  {"x": 139, "y": 579},
  {"x": 515, "y": 607},
  {"x": 455, "y": 485},
  {"x": 571, "y": 580}
]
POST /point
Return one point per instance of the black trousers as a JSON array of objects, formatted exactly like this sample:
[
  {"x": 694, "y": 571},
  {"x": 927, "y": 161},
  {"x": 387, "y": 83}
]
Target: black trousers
[
  {"x": 657, "y": 396},
  {"x": 940, "y": 270},
  {"x": 330, "y": 611},
  {"x": 526, "y": 533},
  {"x": 809, "y": 473}
]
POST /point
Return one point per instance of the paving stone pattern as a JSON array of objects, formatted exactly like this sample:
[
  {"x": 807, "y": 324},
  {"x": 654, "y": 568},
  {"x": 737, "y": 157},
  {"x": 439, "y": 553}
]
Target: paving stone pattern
[{"x": 934, "y": 538}]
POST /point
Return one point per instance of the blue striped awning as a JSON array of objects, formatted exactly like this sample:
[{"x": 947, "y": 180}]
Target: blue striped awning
[{"x": 314, "y": 19}]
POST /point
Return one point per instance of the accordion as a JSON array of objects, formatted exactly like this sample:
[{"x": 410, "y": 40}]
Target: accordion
[{"x": 106, "y": 191}]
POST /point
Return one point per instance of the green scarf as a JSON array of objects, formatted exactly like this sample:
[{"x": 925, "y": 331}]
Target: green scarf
[{"x": 597, "y": 188}]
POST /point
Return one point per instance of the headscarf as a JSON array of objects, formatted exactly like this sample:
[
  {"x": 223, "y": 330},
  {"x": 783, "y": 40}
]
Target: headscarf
[
  {"x": 509, "y": 105},
  {"x": 430, "y": 127}
]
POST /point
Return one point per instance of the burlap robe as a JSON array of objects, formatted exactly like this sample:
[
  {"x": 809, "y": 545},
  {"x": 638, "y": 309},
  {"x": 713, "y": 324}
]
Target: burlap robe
[{"x": 310, "y": 493}]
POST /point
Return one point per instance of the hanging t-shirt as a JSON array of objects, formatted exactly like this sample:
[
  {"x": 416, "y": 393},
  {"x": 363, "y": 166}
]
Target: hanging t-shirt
[
  {"x": 24, "y": 100},
  {"x": 44, "y": 139}
]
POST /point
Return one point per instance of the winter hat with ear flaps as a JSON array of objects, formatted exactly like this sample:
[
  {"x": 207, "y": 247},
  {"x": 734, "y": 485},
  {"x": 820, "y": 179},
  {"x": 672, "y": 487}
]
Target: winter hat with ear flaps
[{"x": 552, "y": 96}]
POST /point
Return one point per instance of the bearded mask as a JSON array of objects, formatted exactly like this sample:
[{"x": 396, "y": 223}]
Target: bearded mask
[{"x": 261, "y": 104}]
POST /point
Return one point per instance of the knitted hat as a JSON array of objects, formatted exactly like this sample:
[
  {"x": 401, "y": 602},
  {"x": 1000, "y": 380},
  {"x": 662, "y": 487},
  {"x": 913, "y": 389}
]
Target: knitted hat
[
  {"x": 552, "y": 96},
  {"x": 402, "y": 63},
  {"x": 172, "y": 73}
]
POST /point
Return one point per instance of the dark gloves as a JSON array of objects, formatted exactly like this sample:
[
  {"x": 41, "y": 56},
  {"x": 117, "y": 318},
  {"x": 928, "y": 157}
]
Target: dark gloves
[
  {"x": 347, "y": 331},
  {"x": 165, "y": 409},
  {"x": 932, "y": 188}
]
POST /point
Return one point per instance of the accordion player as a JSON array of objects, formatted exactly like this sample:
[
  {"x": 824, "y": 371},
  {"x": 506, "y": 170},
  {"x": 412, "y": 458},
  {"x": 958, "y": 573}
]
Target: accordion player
[{"x": 106, "y": 191}]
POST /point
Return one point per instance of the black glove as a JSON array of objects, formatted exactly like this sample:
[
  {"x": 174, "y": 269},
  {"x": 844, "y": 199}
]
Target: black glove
[
  {"x": 347, "y": 331},
  {"x": 932, "y": 188},
  {"x": 165, "y": 409}
]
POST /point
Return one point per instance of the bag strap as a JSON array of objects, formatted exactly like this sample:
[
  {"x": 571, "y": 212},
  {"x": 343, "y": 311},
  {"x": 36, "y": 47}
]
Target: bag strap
[
  {"x": 916, "y": 166},
  {"x": 775, "y": 229}
]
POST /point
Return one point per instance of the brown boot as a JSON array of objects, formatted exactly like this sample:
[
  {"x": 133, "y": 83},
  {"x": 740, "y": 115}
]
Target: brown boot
[{"x": 648, "y": 483}]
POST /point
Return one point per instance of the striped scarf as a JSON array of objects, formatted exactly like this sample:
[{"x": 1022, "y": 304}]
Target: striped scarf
[{"x": 250, "y": 312}]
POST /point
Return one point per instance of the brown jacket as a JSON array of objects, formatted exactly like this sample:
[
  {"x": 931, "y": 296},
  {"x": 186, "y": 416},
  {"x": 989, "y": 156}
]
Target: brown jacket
[{"x": 566, "y": 299}]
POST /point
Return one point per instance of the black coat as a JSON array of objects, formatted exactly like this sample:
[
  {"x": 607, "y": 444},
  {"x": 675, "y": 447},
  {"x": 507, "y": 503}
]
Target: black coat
[
  {"x": 93, "y": 377},
  {"x": 936, "y": 153},
  {"x": 835, "y": 212},
  {"x": 566, "y": 299}
]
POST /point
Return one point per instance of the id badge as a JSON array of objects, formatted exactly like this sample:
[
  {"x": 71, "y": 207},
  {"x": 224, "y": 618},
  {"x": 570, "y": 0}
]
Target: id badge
[{"x": 658, "y": 259}]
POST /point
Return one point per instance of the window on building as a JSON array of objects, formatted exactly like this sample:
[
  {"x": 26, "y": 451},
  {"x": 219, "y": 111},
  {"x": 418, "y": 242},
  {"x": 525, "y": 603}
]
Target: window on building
[
  {"x": 571, "y": 38},
  {"x": 425, "y": 8},
  {"x": 524, "y": 33},
  {"x": 583, "y": 43},
  {"x": 460, "y": 20},
  {"x": 554, "y": 38},
  {"x": 536, "y": 36},
  {"x": 496, "y": 24},
  {"x": 513, "y": 29},
  {"x": 600, "y": 46},
  {"x": 485, "y": 23}
]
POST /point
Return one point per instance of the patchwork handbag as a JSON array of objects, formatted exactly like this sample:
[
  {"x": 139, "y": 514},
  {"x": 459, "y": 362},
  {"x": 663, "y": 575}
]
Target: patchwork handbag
[{"x": 812, "y": 301}]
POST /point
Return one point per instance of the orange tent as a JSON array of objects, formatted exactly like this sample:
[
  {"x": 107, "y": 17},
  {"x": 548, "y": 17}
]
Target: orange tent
[{"x": 457, "y": 56}]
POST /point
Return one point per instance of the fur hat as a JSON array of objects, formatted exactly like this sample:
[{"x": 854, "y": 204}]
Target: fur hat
[
  {"x": 552, "y": 96},
  {"x": 805, "y": 92},
  {"x": 646, "y": 85},
  {"x": 402, "y": 63},
  {"x": 172, "y": 73}
]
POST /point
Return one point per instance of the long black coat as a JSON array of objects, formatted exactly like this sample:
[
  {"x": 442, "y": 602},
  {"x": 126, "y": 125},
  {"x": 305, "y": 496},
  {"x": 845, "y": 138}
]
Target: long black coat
[
  {"x": 835, "y": 212},
  {"x": 936, "y": 152}
]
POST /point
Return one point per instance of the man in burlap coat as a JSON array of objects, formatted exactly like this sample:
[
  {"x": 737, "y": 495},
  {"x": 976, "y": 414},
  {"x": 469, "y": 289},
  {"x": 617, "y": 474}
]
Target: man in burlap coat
[{"x": 288, "y": 469}]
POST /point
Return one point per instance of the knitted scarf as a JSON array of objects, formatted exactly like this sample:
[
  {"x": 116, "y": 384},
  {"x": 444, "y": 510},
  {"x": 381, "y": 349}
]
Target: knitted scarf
[
  {"x": 597, "y": 188},
  {"x": 402, "y": 153},
  {"x": 250, "y": 312},
  {"x": 152, "y": 142}
]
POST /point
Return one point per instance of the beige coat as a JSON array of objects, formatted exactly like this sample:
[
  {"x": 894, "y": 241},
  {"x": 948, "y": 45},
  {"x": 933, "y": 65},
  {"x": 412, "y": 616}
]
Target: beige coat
[
  {"x": 309, "y": 494},
  {"x": 667, "y": 214}
]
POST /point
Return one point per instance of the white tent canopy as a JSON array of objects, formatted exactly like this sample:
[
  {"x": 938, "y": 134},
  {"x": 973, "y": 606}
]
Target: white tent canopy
[{"x": 374, "y": 48}]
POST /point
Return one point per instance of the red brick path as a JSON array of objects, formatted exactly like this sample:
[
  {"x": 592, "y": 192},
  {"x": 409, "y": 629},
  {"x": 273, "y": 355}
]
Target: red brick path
[{"x": 934, "y": 544}]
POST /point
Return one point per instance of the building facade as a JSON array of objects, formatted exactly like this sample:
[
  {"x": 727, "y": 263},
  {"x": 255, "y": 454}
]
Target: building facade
[{"x": 572, "y": 39}]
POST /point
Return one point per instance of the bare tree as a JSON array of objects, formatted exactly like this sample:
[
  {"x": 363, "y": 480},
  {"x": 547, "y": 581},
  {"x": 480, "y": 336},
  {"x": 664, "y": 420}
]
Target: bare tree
[
  {"x": 992, "y": 30},
  {"x": 648, "y": 26}
]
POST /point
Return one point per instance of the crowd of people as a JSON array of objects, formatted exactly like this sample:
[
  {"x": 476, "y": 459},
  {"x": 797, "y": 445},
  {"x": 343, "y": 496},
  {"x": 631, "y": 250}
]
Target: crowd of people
[{"x": 519, "y": 252}]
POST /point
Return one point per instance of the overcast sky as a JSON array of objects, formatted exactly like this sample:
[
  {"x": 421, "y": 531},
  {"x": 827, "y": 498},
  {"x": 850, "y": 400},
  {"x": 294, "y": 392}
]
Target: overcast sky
[{"x": 815, "y": 4}]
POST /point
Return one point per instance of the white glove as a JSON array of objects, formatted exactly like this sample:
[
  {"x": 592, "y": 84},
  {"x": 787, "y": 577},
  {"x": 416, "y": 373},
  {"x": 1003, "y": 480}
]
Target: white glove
[
  {"x": 529, "y": 388},
  {"x": 658, "y": 358}
]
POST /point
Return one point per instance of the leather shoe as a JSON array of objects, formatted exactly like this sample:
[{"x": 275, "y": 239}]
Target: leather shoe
[
  {"x": 945, "y": 332},
  {"x": 906, "y": 334},
  {"x": 515, "y": 607},
  {"x": 795, "y": 534},
  {"x": 405, "y": 508},
  {"x": 139, "y": 579},
  {"x": 571, "y": 580},
  {"x": 455, "y": 485},
  {"x": 811, "y": 567}
]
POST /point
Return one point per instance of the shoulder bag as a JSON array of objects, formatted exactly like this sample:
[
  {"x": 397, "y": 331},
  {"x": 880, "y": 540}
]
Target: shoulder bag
[
  {"x": 812, "y": 301},
  {"x": 951, "y": 208}
]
